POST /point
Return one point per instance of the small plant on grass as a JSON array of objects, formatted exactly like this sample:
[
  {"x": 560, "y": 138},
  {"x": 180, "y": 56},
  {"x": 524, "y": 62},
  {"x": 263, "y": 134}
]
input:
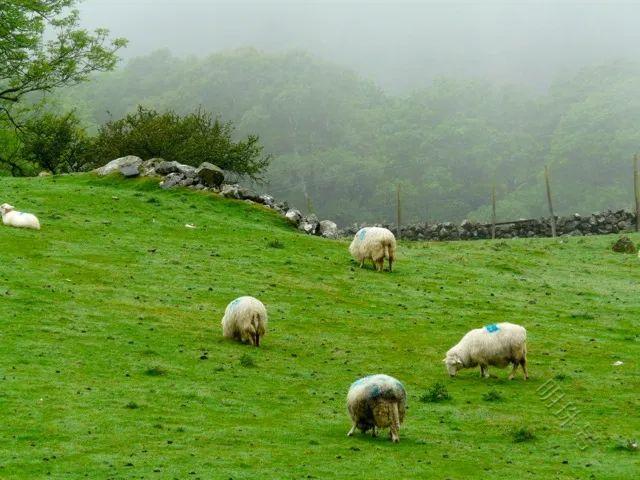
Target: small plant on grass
[
  {"x": 156, "y": 372},
  {"x": 561, "y": 376},
  {"x": 492, "y": 396},
  {"x": 132, "y": 405},
  {"x": 275, "y": 244},
  {"x": 247, "y": 361},
  {"x": 437, "y": 393},
  {"x": 522, "y": 435}
]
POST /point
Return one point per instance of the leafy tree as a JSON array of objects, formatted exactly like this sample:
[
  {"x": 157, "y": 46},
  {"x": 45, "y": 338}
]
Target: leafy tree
[
  {"x": 190, "y": 139},
  {"x": 29, "y": 63}
]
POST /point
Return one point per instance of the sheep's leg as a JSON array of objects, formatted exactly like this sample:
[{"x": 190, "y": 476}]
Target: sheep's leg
[
  {"x": 352, "y": 431},
  {"x": 374, "y": 432},
  {"x": 484, "y": 371},
  {"x": 513, "y": 370},
  {"x": 523, "y": 362}
]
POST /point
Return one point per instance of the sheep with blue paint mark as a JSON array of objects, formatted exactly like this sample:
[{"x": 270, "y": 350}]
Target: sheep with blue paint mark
[
  {"x": 12, "y": 218},
  {"x": 245, "y": 320},
  {"x": 375, "y": 244},
  {"x": 377, "y": 401},
  {"x": 496, "y": 345}
]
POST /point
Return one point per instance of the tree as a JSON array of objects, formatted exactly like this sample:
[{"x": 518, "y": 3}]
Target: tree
[
  {"x": 190, "y": 139},
  {"x": 30, "y": 64}
]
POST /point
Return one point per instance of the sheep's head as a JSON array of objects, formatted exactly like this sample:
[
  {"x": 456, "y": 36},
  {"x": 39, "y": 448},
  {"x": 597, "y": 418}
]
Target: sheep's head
[
  {"x": 6, "y": 208},
  {"x": 453, "y": 362}
]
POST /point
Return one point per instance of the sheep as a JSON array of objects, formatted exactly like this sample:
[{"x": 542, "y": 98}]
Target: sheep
[
  {"x": 377, "y": 401},
  {"x": 374, "y": 243},
  {"x": 497, "y": 344},
  {"x": 14, "y": 218},
  {"x": 245, "y": 320}
]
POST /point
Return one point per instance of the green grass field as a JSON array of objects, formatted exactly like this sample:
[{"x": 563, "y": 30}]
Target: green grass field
[{"x": 112, "y": 363}]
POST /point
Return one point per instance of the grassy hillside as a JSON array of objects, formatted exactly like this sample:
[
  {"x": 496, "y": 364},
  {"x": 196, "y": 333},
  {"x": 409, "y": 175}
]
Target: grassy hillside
[{"x": 112, "y": 363}]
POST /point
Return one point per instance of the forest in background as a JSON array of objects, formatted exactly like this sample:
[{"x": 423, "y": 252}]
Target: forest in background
[{"x": 347, "y": 143}]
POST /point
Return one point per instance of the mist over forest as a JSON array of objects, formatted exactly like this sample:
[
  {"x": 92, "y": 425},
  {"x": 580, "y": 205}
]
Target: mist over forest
[{"x": 445, "y": 99}]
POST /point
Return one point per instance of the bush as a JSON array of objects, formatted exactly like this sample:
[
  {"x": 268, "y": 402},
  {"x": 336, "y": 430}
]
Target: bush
[
  {"x": 190, "y": 139},
  {"x": 437, "y": 393},
  {"x": 58, "y": 144}
]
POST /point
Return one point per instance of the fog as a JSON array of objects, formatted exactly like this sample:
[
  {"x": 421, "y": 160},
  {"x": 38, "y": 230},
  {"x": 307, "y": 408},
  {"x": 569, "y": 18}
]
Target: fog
[{"x": 399, "y": 45}]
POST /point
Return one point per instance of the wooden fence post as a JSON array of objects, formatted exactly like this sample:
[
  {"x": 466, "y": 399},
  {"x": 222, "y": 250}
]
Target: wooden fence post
[
  {"x": 398, "y": 210},
  {"x": 493, "y": 213},
  {"x": 636, "y": 189},
  {"x": 553, "y": 217}
]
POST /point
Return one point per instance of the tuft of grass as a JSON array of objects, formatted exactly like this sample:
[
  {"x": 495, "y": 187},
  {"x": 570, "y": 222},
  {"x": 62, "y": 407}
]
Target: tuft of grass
[
  {"x": 247, "y": 361},
  {"x": 522, "y": 435},
  {"x": 132, "y": 405},
  {"x": 437, "y": 393},
  {"x": 561, "y": 376},
  {"x": 155, "y": 372},
  {"x": 492, "y": 396},
  {"x": 275, "y": 244}
]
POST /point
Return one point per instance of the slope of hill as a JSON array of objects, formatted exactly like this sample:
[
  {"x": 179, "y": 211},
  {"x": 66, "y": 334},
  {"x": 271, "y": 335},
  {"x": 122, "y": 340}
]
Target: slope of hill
[{"x": 112, "y": 364}]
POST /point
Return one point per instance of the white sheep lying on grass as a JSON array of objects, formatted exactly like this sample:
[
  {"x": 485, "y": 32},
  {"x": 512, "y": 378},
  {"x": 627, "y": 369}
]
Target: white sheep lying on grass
[
  {"x": 374, "y": 243},
  {"x": 377, "y": 401},
  {"x": 14, "y": 218},
  {"x": 497, "y": 345},
  {"x": 245, "y": 320}
]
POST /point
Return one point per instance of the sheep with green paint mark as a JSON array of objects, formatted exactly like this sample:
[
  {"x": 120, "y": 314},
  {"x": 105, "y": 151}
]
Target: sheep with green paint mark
[
  {"x": 245, "y": 320},
  {"x": 377, "y": 401},
  {"x": 495, "y": 345},
  {"x": 375, "y": 244}
]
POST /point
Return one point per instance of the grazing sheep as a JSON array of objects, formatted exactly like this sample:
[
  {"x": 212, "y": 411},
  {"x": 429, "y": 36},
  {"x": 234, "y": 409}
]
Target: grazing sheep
[
  {"x": 245, "y": 319},
  {"x": 497, "y": 344},
  {"x": 374, "y": 243},
  {"x": 377, "y": 401},
  {"x": 14, "y": 218}
]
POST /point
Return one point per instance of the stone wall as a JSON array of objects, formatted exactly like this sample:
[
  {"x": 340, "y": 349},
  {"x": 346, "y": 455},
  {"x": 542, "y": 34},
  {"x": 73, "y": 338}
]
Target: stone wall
[
  {"x": 210, "y": 178},
  {"x": 600, "y": 223}
]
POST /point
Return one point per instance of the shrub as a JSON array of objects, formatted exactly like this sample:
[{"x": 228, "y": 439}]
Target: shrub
[
  {"x": 437, "y": 393},
  {"x": 522, "y": 435},
  {"x": 190, "y": 139},
  {"x": 56, "y": 143}
]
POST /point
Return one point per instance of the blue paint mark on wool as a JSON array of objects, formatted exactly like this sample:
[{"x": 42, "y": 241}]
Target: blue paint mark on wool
[
  {"x": 235, "y": 303},
  {"x": 362, "y": 233},
  {"x": 492, "y": 328}
]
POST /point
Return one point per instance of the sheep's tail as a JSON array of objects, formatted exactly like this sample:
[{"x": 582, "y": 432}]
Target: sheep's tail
[{"x": 390, "y": 253}]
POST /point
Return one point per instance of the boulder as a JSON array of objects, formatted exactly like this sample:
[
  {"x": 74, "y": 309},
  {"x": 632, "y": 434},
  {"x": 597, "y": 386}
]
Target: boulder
[
  {"x": 624, "y": 245},
  {"x": 115, "y": 165},
  {"x": 210, "y": 175},
  {"x": 148, "y": 168},
  {"x": 130, "y": 170},
  {"x": 294, "y": 216},
  {"x": 267, "y": 200},
  {"x": 229, "y": 191},
  {"x": 328, "y": 229},
  {"x": 165, "y": 168},
  {"x": 309, "y": 224},
  {"x": 172, "y": 180}
]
